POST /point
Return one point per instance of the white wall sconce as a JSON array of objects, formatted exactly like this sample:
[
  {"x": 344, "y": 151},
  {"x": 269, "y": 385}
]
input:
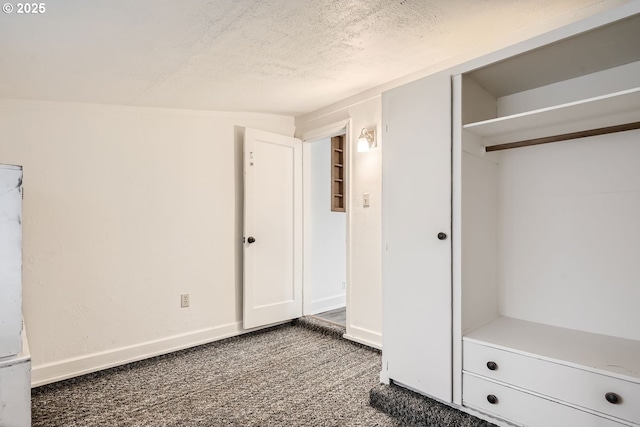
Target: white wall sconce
[{"x": 366, "y": 140}]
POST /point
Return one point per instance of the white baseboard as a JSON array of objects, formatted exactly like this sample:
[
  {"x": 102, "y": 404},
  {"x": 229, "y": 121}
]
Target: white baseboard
[
  {"x": 364, "y": 336},
  {"x": 326, "y": 304},
  {"x": 69, "y": 368},
  {"x": 73, "y": 367}
]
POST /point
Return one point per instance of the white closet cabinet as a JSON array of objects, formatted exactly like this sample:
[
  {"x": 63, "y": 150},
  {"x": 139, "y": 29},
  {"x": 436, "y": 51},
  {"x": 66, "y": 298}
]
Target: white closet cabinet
[
  {"x": 15, "y": 362},
  {"x": 547, "y": 266},
  {"x": 528, "y": 312},
  {"x": 10, "y": 260},
  {"x": 416, "y": 213}
]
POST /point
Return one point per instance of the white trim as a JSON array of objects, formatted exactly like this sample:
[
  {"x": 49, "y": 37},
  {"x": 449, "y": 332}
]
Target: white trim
[
  {"x": 73, "y": 367},
  {"x": 456, "y": 236},
  {"x": 306, "y": 227},
  {"x": 326, "y": 131},
  {"x": 363, "y": 336},
  {"x": 349, "y": 206},
  {"x": 39, "y": 105}
]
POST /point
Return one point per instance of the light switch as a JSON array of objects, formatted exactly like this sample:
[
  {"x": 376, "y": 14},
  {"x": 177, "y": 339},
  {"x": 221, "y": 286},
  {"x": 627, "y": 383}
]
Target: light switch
[{"x": 365, "y": 200}]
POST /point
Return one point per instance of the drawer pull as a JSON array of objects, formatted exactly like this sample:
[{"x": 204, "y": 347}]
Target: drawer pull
[
  {"x": 492, "y": 399},
  {"x": 613, "y": 398},
  {"x": 492, "y": 366}
]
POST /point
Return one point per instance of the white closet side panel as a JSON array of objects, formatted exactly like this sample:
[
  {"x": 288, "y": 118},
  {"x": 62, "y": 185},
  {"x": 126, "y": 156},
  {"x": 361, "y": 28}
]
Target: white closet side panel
[
  {"x": 570, "y": 234},
  {"x": 15, "y": 392},
  {"x": 10, "y": 260},
  {"x": 479, "y": 241},
  {"x": 416, "y": 264}
]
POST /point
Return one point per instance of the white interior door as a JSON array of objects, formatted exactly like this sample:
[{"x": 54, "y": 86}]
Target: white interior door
[{"x": 272, "y": 228}]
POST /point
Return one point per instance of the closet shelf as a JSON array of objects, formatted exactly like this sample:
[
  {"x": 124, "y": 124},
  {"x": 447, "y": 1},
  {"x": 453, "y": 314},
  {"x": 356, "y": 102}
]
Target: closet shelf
[{"x": 599, "y": 112}]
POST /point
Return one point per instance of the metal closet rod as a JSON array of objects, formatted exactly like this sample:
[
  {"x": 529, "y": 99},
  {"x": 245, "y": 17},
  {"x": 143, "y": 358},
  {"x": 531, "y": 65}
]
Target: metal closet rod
[{"x": 564, "y": 137}]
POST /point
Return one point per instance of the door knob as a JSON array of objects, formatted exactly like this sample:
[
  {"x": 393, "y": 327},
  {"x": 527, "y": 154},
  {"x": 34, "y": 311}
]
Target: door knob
[
  {"x": 251, "y": 239},
  {"x": 442, "y": 236}
]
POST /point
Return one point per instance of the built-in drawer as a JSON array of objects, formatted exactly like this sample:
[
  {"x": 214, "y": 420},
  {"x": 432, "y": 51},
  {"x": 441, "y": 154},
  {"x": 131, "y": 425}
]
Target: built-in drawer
[
  {"x": 612, "y": 396},
  {"x": 522, "y": 408}
]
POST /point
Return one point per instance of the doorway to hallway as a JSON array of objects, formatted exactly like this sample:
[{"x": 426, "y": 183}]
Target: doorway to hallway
[
  {"x": 337, "y": 316},
  {"x": 325, "y": 258}
]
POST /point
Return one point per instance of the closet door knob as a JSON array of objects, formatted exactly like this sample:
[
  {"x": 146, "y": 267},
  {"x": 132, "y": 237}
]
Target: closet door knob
[
  {"x": 492, "y": 399},
  {"x": 492, "y": 366},
  {"x": 442, "y": 236},
  {"x": 251, "y": 239},
  {"x": 613, "y": 398}
]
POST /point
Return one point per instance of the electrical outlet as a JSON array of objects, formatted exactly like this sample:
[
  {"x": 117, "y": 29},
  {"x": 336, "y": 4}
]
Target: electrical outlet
[
  {"x": 344, "y": 285},
  {"x": 184, "y": 300}
]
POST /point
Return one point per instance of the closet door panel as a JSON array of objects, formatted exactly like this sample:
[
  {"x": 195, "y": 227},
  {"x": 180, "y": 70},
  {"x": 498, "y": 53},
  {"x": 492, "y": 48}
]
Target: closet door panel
[{"x": 416, "y": 216}]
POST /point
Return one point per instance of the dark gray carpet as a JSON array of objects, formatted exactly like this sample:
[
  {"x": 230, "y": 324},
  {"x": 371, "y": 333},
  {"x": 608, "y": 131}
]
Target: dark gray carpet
[
  {"x": 286, "y": 376},
  {"x": 300, "y": 374},
  {"x": 337, "y": 316},
  {"x": 413, "y": 408}
]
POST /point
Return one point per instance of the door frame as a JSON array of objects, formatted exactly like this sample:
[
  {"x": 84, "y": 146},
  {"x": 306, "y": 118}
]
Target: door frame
[{"x": 308, "y": 137}]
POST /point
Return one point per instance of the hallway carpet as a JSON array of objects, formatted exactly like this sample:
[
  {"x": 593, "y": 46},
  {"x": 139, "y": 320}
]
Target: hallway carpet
[
  {"x": 337, "y": 316},
  {"x": 289, "y": 375}
]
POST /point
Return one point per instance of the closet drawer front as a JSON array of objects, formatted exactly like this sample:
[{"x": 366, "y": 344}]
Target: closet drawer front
[
  {"x": 523, "y": 408},
  {"x": 573, "y": 385}
]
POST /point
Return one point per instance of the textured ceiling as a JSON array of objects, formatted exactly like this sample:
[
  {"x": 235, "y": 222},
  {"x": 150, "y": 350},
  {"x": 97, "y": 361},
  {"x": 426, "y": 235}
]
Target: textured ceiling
[{"x": 275, "y": 56}]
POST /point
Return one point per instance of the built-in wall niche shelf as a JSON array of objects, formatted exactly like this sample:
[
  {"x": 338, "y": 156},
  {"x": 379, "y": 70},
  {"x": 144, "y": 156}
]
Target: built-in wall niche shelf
[
  {"x": 338, "y": 174},
  {"x": 619, "y": 111}
]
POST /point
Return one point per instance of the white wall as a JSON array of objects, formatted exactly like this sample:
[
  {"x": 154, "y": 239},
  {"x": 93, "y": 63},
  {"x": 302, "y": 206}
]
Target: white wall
[
  {"x": 328, "y": 254},
  {"x": 124, "y": 210},
  {"x": 364, "y": 291},
  {"x": 572, "y": 207},
  {"x": 479, "y": 240}
]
